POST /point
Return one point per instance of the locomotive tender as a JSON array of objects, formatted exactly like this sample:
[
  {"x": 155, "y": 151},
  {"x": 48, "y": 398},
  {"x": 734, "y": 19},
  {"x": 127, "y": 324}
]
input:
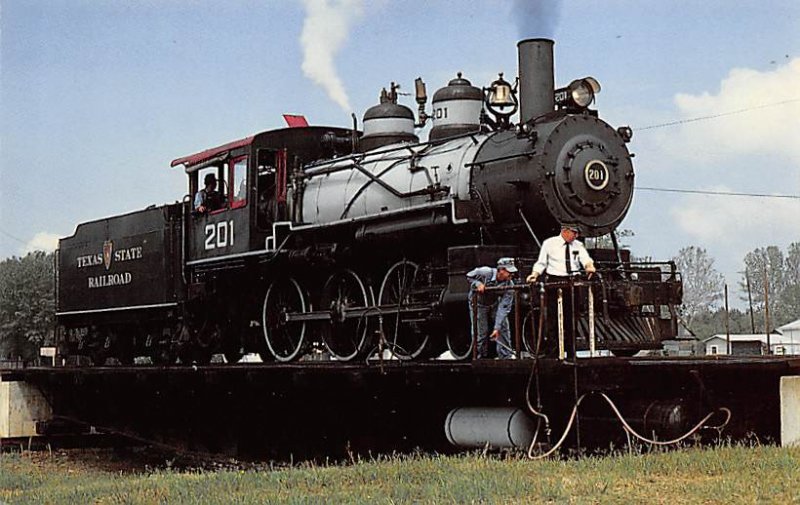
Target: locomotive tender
[{"x": 360, "y": 240}]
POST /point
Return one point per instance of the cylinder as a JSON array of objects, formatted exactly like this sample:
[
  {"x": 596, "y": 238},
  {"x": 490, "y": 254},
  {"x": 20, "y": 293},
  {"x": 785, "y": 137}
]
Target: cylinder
[
  {"x": 497, "y": 427},
  {"x": 536, "y": 81}
]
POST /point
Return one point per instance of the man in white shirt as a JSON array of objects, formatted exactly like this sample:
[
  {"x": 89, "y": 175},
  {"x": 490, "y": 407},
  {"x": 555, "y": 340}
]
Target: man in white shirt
[
  {"x": 561, "y": 257},
  {"x": 555, "y": 251}
]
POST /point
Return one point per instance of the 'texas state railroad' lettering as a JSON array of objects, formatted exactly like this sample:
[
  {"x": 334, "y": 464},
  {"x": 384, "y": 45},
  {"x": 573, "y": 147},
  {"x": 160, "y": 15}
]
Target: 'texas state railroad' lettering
[
  {"x": 90, "y": 260},
  {"x": 102, "y": 281},
  {"x": 106, "y": 258}
]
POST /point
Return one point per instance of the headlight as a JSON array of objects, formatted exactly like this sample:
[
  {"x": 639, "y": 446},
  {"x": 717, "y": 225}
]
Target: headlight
[
  {"x": 579, "y": 94},
  {"x": 582, "y": 94}
]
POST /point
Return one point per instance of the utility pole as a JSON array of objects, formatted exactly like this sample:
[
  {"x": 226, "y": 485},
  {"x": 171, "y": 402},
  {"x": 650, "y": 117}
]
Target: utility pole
[
  {"x": 750, "y": 300},
  {"x": 766, "y": 309},
  {"x": 727, "y": 321}
]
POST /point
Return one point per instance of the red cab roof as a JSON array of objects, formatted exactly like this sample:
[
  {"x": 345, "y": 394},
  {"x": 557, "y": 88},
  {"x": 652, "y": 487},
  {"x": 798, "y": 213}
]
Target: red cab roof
[{"x": 194, "y": 159}]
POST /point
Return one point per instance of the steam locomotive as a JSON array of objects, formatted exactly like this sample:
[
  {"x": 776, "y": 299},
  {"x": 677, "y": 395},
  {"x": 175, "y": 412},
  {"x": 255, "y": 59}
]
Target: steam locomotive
[{"x": 340, "y": 242}]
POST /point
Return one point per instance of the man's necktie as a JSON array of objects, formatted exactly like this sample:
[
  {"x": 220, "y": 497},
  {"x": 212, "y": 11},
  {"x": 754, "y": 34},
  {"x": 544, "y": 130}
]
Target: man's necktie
[{"x": 566, "y": 258}]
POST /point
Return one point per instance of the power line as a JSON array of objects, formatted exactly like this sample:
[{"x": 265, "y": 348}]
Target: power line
[
  {"x": 714, "y": 116},
  {"x": 13, "y": 237},
  {"x": 718, "y": 193}
]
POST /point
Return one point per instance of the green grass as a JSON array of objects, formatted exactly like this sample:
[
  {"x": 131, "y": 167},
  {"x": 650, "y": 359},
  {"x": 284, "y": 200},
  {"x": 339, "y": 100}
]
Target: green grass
[{"x": 715, "y": 475}]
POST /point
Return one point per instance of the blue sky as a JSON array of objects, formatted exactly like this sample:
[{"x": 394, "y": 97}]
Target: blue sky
[{"x": 98, "y": 96}]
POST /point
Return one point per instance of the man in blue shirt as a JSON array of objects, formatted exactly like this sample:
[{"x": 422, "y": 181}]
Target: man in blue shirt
[
  {"x": 208, "y": 199},
  {"x": 497, "y": 304}
]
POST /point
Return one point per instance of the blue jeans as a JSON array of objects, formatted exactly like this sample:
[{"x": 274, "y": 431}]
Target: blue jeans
[{"x": 485, "y": 320}]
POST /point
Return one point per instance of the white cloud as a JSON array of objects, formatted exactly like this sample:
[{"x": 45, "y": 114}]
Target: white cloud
[
  {"x": 770, "y": 124},
  {"x": 42, "y": 241},
  {"x": 752, "y": 148},
  {"x": 755, "y": 151},
  {"x": 325, "y": 30},
  {"x": 738, "y": 223}
]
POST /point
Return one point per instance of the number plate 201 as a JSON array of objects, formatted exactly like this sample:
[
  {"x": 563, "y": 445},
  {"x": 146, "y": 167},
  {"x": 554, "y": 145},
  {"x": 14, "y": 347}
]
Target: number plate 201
[
  {"x": 219, "y": 235},
  {"x": 596, "y": 175}
]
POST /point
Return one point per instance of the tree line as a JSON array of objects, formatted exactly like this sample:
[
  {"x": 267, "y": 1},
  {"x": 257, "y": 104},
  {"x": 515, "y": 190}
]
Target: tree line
[
  {"x": 769, "y": 283},
  {"x": 27, "y": 304}
]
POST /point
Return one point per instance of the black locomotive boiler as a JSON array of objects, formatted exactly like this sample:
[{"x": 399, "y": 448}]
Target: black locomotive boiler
[{"x": 350, "y": 241}]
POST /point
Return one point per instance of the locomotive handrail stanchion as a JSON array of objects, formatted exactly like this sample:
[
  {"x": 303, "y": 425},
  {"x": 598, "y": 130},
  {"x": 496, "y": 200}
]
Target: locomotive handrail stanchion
[
  {"x": 517, "y": 324},
  {"x": 381, "y": 340},
  {"x": 574, "y": 357},
  {"x": 572, "y": 319},
  {"x": 592, "y": 343},
  {"x": 542, "y": 317},
  {"x": 561, "y": 351},
  {"x": 604, "y": 294},
  {"x": 474, "y": 303},
  {"x": 184, "y": 225}
]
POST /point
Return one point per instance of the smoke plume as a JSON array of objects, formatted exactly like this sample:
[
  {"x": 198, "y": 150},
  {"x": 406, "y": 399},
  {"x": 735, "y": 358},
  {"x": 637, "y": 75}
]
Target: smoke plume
[
  {"x": 536, "y": 18},
  {"x": 325, "y": 30}
]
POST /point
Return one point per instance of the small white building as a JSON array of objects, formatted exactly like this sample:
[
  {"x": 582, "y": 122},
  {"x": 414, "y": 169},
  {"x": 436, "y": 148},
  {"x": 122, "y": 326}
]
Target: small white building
[
  {"x": 740, "y": 344},
  {"x": 785, "y": 341},
  {"x": 791, "y": 335}
]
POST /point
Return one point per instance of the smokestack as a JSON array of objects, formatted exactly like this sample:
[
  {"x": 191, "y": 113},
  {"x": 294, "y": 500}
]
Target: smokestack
[{"x": 536, "y": 81}]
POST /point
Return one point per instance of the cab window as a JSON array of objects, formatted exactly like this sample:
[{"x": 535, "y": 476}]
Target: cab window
[
  {"x": 212, "y": 199},
  {"x": 238, "y": 178}
]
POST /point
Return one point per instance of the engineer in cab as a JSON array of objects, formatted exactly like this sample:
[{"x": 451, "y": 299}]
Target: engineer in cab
[{"x": 208, "y": 199}]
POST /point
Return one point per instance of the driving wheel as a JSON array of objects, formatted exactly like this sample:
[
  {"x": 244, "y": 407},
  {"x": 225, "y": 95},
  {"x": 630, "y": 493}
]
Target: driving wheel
[
  {"x": 285, "y": 339},
  {"x": 402, "y": 330},
  {"x": 345, "y": 337}
]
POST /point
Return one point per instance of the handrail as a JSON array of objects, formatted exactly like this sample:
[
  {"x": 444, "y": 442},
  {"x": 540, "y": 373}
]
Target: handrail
[{"x": 551, "y": 285}]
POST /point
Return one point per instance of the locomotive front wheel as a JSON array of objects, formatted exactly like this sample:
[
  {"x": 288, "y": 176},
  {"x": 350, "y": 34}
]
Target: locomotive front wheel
[
  {"x": 285, "y": 339},
  {"x": 401, "y": 331},
  {"x": 345, "y": 337}
]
